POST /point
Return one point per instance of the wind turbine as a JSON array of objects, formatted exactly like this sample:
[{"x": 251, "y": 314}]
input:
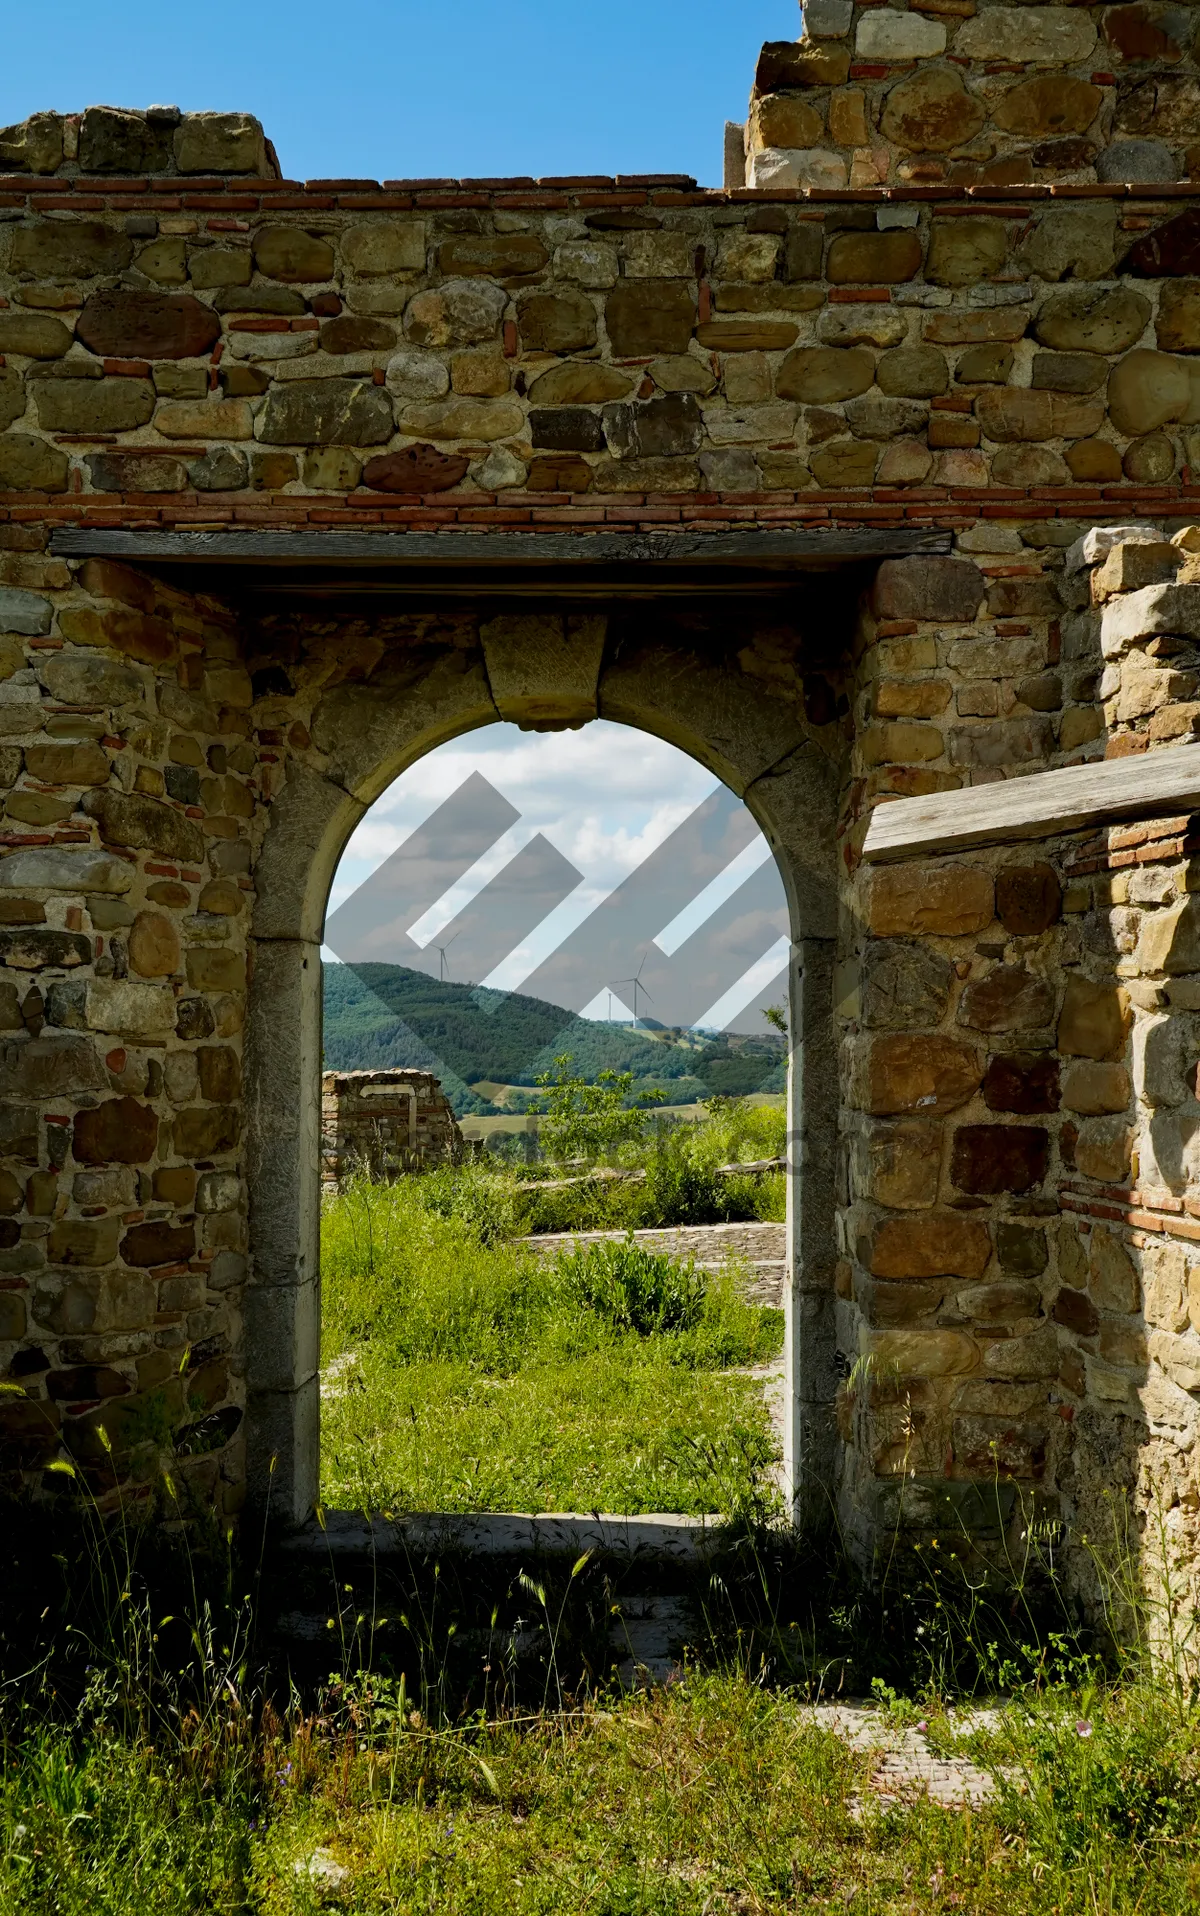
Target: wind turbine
[
  {"x": 441, "y": 951},
  {"x": 636, "y": 982}
]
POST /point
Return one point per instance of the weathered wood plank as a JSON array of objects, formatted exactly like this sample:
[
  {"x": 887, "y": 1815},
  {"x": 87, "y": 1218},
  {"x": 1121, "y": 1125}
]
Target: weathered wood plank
[
  {"x": 775, "y": 547},
  {"x": 1036, "y": 806}
]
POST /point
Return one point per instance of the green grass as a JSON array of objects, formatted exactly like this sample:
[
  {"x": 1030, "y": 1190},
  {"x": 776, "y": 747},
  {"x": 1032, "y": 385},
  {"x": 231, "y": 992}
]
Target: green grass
[
  {"x": 465, "y": 1373},
  {"x": 713, "y": 1794}
]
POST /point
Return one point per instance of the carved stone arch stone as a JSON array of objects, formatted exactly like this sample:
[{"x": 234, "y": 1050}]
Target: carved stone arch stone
[{"x": 545, "y": 671}]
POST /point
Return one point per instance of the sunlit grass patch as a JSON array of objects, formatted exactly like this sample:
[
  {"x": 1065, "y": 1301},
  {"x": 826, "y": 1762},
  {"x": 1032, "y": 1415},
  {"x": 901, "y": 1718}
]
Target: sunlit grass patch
[{"x": 464, "y": 1373}]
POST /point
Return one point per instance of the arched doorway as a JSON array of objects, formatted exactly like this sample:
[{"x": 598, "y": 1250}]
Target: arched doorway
[{"x": 712, "y": 684}]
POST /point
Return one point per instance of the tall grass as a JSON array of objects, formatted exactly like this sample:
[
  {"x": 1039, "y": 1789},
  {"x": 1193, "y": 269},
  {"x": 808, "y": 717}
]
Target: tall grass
[{"x": 465, "y": 1373}]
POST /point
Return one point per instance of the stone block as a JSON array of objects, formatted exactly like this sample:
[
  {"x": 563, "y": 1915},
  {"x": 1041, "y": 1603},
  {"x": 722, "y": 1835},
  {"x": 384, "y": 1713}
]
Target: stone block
[
  {"x": 383, "y": 247},
  {"x": 905, "y": 987},
  {"x": 210, "y": 419},
  {"x": 1160, "y": 1059},
  {"x": 118, "y": 1131},
  {"x": 1031, "y": 36},
  {"x": 145, "y": 824},
  {"x": 962, "y": 252},
  {"x": 922, "y": 901},
  {"x": 901, "y": 1164},
  {"x": 83, "y": 1241},
  {"x": 556, "y": 321},
  {"x": 1169, "y": 940},
  {"x": 544, "y": 667},
  {"x": 848, "y": 463},
  {"x": 463, "y": 312},
  {"x": 928, "y": 588},
  {"x": 158, "y": 1242},
  {"x": 212, "y": 968},
  {"x": 889, "y": 37},
  {"x": 59, "y": 868},
  {"x": 1007, "y": 998},
  {"x": 34, "y": 336},
  {"x": 587, "y": 383},
  {"x": 779, "y": 167},
  {"x": 1094, "y": 1020},
  {"x": 1009, "y": 414},
  {"x": 458, "y": 418},
  {"x": 797, "y": 63},
  {"x": 289, "y": 253},
  {"x": 904, "y": 1073},
  {"x": 1025, "y": 1083},
  {"x": 28, "y": 464},
  {"x": 933, "y": 1353},
  {"x": 221, "y": 143},
  {"x": 1034, "y": 1355},
  {"x": 1104, "y": 1150},
  {"x": 1005, "y": 743},
  {"x": 502, "y": 255},
  {"x": 67, "y": 764},
  {"x": 61, "y": 1065},
  {"x": 1165, "y": 1287},
  {"x": 34, "y": 145},
  {"x": 644, "y": 317},
  {"x": 69, "y": 250},
  {"x": 1093, "y": 1088},
  {"x": 130, "y": 1010},
  {"x": 874, "y": 259},
  {"x": 205, "y": 1131},
  {"x": 1028, "y": 899},
  {"x": 998, "y": 1447},
  {"x": 823, "y": 375},
  {"x": 987, "y": 1159},
  {"x": 416, "y": 469},
  {"x": 1105, "y": 320},
  {"x": 931, "y": 112},
  {"x": 1078, "y": 242},
  {"x": 324, "y": 412},
  {"x": 1048, "y": 106},
  {"x": 1112, "y": 1277}
]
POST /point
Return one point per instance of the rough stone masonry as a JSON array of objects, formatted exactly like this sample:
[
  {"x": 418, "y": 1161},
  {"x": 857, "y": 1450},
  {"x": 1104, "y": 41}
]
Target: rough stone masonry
[{"x": 959, "y": 297}]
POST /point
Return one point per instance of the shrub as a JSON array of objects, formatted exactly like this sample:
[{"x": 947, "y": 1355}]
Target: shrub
[{"x": 633, "y": 1289}]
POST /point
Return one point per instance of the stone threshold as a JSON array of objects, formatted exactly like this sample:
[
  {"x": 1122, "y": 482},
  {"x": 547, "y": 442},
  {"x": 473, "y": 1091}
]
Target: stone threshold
[{"x": 660, "y": 1537}]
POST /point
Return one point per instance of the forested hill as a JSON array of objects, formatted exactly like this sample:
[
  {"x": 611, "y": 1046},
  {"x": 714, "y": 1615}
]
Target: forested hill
[{"x": 382, "y": 1016}]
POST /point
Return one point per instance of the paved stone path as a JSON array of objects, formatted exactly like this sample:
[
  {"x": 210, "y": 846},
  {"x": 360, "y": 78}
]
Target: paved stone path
[{"x": 906, "y": 1767}]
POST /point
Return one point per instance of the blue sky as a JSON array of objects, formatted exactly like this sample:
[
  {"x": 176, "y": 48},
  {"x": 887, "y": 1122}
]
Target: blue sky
[{"x": 399, "y": 88}]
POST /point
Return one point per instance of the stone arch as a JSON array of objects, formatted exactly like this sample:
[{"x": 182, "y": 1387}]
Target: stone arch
[{"x": 546, "y": 671}]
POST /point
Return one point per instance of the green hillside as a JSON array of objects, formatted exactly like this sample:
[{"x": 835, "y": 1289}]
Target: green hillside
[{"x": 383, "y": 1016}]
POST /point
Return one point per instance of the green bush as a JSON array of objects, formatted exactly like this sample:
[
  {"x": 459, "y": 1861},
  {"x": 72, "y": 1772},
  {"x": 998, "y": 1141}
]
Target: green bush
[{"x": 633, "y": 1289}]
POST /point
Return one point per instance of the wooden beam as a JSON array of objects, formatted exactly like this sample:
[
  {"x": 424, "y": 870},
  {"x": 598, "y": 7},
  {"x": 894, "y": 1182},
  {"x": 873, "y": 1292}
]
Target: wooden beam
[
  {"x": 1151, "y": 785},
  {"x": 782, "y": 547}
]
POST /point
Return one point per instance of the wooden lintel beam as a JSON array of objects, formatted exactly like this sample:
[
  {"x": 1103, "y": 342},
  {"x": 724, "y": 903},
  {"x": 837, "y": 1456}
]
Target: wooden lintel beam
[
  {"x": 1105, "y": 791},
  {"x": 778, "y": 547}
]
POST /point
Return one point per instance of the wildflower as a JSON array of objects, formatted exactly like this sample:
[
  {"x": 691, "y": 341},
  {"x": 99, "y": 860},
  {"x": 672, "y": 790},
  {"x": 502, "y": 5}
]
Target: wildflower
[
  {"x": 1083, "y": 1728},
  {"x": 922, "y": 1727}
]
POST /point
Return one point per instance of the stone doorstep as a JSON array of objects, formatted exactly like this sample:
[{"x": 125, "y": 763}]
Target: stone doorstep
[{"x": 659, "y": 1537}]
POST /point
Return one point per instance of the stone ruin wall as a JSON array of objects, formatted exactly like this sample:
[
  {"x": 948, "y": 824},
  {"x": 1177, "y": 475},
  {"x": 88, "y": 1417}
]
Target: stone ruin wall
[
  {"x": 384, "y": 1122},
  {"x": 231, "y": 350},
  {"x": 951, "y": 91},
  {"x": 1019, "y": 1223}
]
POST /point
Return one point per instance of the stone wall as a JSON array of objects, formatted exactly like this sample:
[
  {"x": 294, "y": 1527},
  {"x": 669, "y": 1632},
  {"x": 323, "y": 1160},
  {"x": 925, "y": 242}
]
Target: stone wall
[
  {"x": 976, "y": 93},
  {"x": 235, "y": 351},
  {"x": 244, "y": 350},
  {"x": 132, "y": 778},
  {"x": 1020, "y": 1114},
  {"x": 384, "y": 1123}
]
